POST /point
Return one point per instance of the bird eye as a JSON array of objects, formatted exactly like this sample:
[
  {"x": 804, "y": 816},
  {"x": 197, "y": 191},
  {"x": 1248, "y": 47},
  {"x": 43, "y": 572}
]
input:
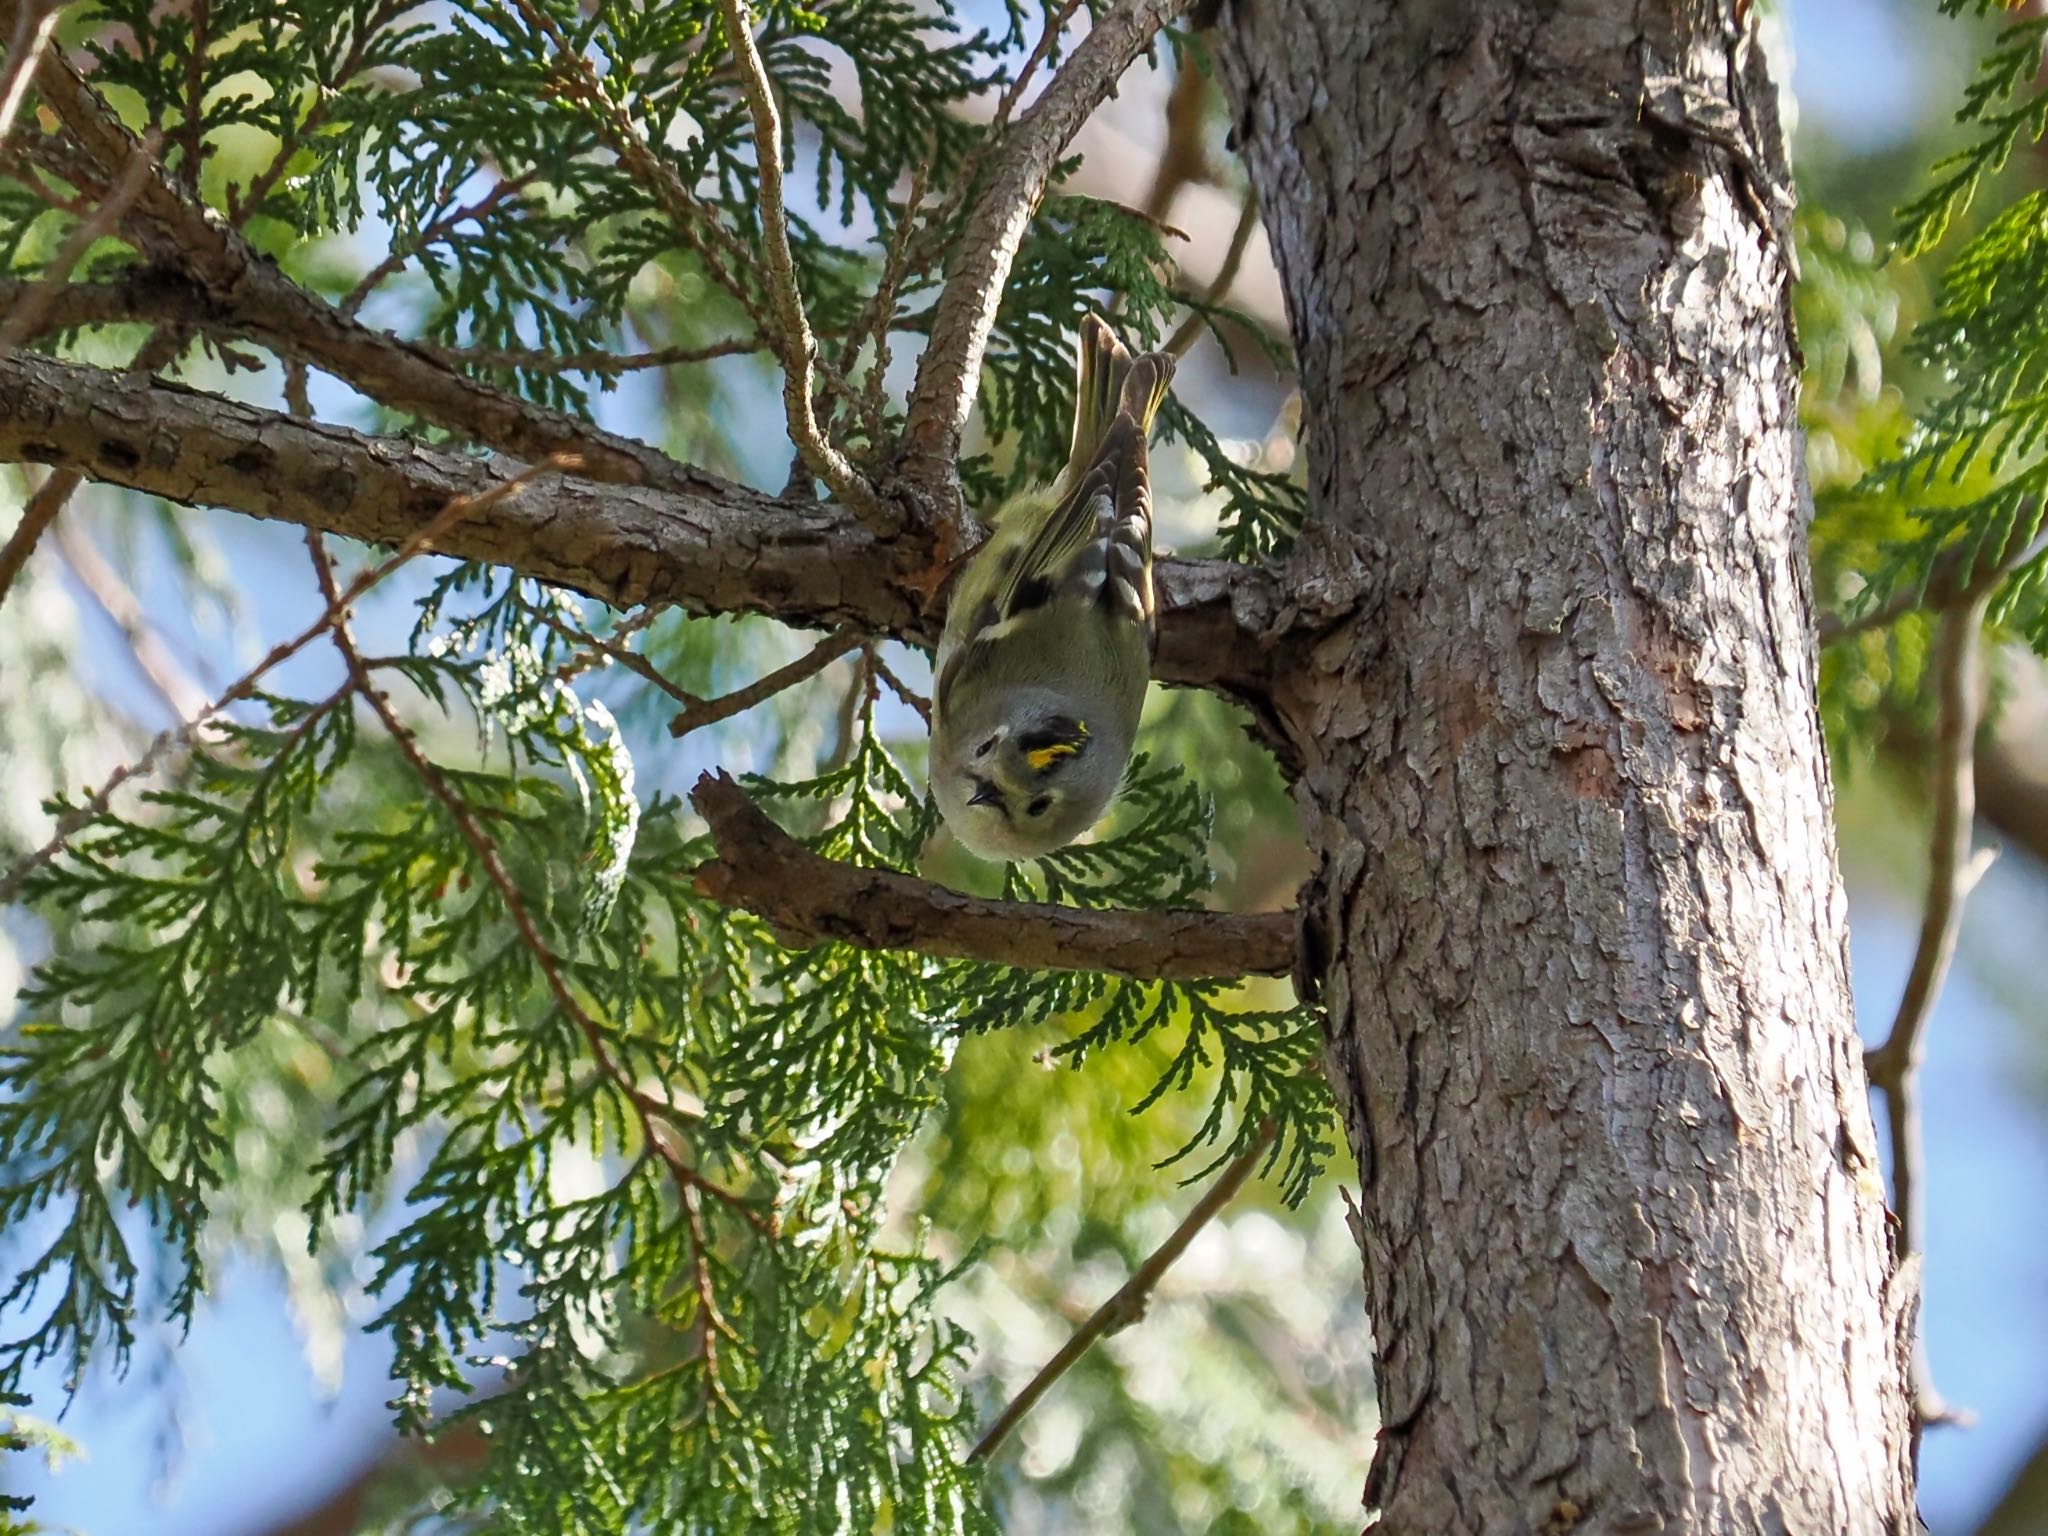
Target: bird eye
[
  {"x": 1039, "y": 806},
  {"x": 985, "y": 748}
]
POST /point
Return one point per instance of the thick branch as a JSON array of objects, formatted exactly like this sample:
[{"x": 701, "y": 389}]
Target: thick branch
[
  {"x": 710, "y": 547},
  {"x": 808, "y": 899},
  {"x": 1015, "y": 180}
]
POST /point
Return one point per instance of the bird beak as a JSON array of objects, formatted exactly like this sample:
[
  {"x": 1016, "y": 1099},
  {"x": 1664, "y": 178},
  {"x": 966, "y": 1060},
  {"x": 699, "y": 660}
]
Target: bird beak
[{"x": 985, "y": 793}]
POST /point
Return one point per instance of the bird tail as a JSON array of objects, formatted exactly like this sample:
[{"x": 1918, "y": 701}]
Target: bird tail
[{"x": 1110, "y": 383}]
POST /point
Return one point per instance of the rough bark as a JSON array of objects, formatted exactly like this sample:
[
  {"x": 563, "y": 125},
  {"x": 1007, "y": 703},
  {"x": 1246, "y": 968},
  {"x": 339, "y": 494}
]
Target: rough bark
[{"x": 1624, "y": 1241}]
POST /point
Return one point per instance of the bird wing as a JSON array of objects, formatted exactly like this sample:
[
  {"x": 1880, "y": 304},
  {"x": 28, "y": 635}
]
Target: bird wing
[{"x": 1091, "y": 549}]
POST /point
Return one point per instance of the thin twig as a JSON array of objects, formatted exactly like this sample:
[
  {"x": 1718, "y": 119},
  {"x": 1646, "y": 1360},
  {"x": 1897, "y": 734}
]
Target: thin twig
[
  {"x": 610, "y": 648},
  {"x": 33, "y": 25},
  {"x": 796, "y": 346},
  {"x": 699, "y": 713},
  {"x": 36, "y": 517},
  {"x": 1894, "y": 1065},
  {"x": 192, "y": 132},
  {"x": 438, "y": 229},
  {"x": 1006, "y": 106},
  {"x": 19, "y": 323},
  {"x": 419, "y": 543},
  {"x": 604, "y": 364},
  {"x": 180, "y": 694},
  {"x": 1190, "y": 329},
  {"x": 877, "y": 317},
  {"x": 897, "y": 686},
  {"x": 598, "y": 648},
  {"x": 1131, "y": 1299},
  {"x": 35, "y": 166}
]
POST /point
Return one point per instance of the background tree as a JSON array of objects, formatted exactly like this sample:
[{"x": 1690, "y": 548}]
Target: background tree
[{"x": 620, "y": 1088}]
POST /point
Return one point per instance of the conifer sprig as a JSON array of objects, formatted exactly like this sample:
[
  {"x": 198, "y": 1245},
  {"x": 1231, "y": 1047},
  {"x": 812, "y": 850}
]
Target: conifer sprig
[{"x": 2007, "y": 106}]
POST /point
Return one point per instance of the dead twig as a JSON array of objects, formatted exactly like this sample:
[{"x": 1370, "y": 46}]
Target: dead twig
[
  {"x": 698, "y": 713},
  {"x": 1131, "y": 1298},
  {"x": 897, "y": 686}
]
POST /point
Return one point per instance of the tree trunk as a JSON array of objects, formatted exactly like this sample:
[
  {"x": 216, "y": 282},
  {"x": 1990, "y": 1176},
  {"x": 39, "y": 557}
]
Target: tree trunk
[{"x": 1624, "y": 1236}]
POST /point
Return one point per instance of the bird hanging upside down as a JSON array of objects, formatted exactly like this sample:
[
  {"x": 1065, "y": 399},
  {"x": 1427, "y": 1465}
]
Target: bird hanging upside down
[{"x": 1041, "y": 670}]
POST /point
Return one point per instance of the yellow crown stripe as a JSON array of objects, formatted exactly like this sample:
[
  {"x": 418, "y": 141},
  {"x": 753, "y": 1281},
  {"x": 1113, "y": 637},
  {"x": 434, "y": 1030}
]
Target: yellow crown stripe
[{"x": 1044, "y": 757}]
